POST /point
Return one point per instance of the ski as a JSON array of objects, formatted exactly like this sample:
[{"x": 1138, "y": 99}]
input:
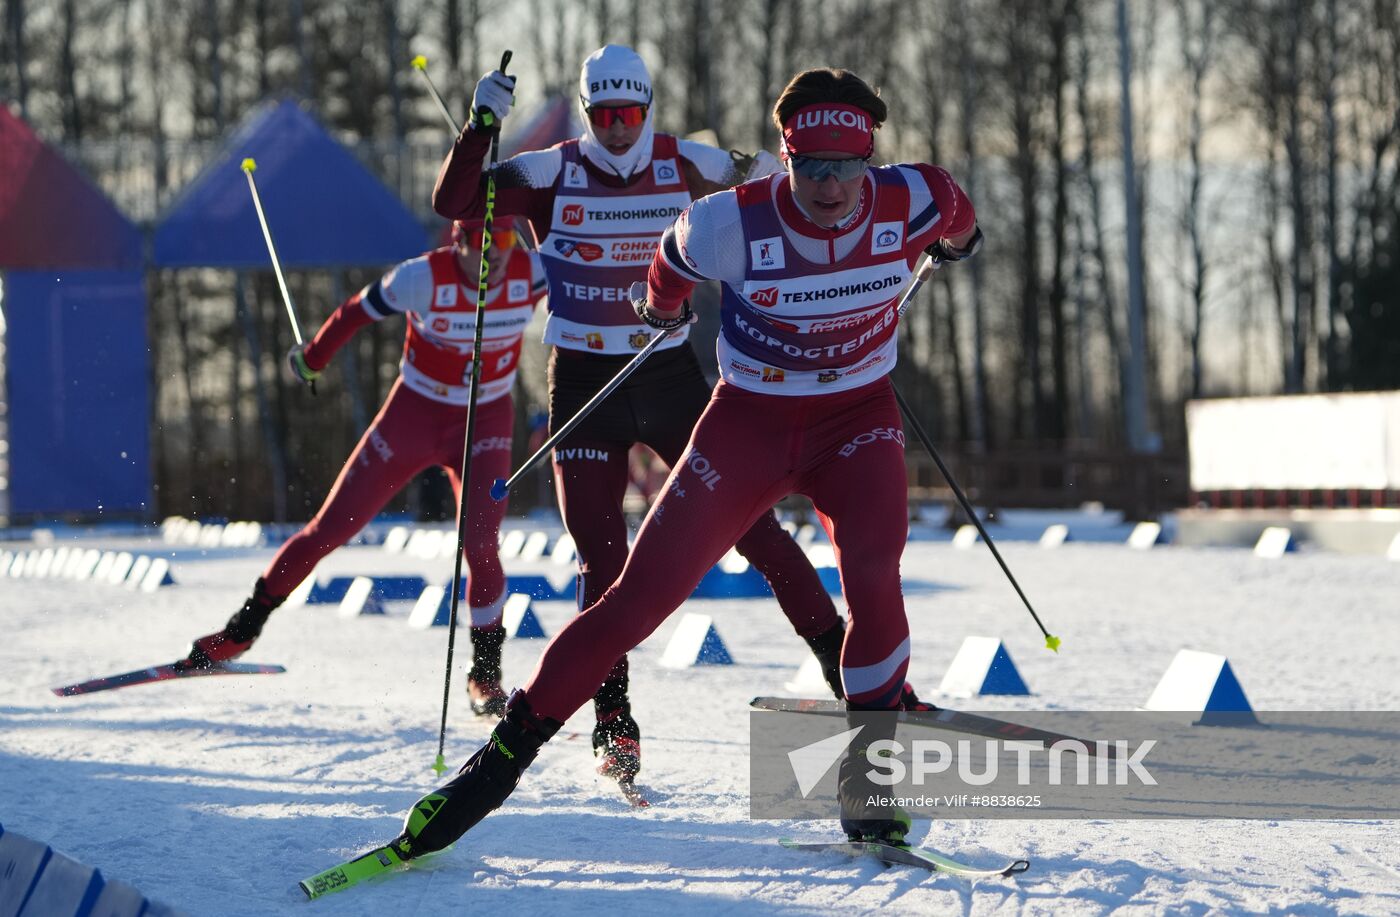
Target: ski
[
  {"x": 938, "y": 718},
  {"x": 376, "y": 862},
  {"x": 905, "y": 855},
  {"x": 164, "y": 673}
]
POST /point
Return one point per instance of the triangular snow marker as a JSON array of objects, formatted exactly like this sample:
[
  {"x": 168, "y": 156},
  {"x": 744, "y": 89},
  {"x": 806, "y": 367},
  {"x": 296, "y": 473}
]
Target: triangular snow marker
[
  {"x": 137, "y": 571},
  {"x": 982, "y": 666},
  {"x": 511, "y": 543},
  {"x": 695, "y": 642},
  {"x": 564, "y": 550},
  {"x": 1394, "y": 551},
  {"x": 965, "y": 537},
  {"x": 431, "y": 609},
  {"x": 1146, "y": 535},
  {"x": 519, "y": 619},
  {"x": 534, "y": 546},
  {"x": 397, "y": 539},
  {"x": 360, "y": 599},
  {"x": 1203, "y": 683},
  {"x": 1054, "y": 536},
  {"x": 1274, "y": 542},
  {"x": 157, "y": 575},
  {"x": 809, "y": 679}
]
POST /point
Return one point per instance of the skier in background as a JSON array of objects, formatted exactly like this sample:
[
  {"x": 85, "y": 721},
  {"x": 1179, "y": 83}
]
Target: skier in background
[{"x": 421, "y": 424}]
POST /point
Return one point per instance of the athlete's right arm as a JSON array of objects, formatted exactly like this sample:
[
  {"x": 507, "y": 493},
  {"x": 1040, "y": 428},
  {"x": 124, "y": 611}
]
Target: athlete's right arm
[
  {"x": 524, "y": 183},
  {"x": 705, "y": 243},
  {"x": 406, "y": 288}
]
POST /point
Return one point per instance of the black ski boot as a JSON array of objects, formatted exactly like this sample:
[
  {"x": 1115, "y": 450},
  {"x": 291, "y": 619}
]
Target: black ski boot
[
  {"x": 617, "y": 741},
  {"x": 864, "y": 815},
  {"x": 484, "y": 678},
  {"x": 484, "y": 782},
  {"x": 238, "y": 634},
  {"x": 826, "y": 646}
]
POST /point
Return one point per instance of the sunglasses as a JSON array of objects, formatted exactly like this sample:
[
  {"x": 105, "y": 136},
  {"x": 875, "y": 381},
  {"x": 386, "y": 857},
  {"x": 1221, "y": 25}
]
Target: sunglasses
[
  {"x": 501, "y": 237},
  {"x": 819, "y": 169},
  {"x": 626, "y": 115}
]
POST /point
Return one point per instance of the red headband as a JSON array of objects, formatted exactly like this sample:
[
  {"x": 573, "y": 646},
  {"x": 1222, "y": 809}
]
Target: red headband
[{"x": 829, "y": 127}]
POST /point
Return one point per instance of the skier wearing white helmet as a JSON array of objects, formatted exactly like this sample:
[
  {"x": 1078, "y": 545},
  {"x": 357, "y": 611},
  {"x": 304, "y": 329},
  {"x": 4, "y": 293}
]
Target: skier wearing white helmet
[{"x": 598, "y": 205}]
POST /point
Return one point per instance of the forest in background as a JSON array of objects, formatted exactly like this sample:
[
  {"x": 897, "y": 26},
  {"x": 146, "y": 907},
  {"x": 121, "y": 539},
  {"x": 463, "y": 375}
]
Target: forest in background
[{"x": 1262, "y": 153}]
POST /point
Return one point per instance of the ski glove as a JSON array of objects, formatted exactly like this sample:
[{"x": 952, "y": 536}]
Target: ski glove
[
  {"x": 494, "y": 95},
  {"x": 941, "y": 251},
  {"x": 638, "y": 294},
  {"x": 301, "y": 371}
]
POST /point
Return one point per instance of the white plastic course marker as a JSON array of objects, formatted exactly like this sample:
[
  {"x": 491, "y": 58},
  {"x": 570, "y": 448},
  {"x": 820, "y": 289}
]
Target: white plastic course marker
[
  {"x": 139, "y": 566},
  {"x": 1203, "y": 683},
  {"x": 1274, "y": 542},
  {"x": 302, "y": 592},
  {"x": 965, "y": 537},
  {"x": 1394, "y": 551},
  {"x": 534, "y": 546},
  {"x": 42, "y": 563},
  {"x": 211, "y": 536},
  {"x": 1054, "y": 536},
  {"x": 982, "y": 666},
  {"x": 1145, "y": 536},
  {"x": 120, "y": 568},
  {"x": 733, "y": 562},
  {"x": 695, "y": 642},
  {"x": 58, "y": 561},
  {"x": 104, "y": 566},
  {"x": 809, "y": 681},
  {"x": 360, "y": 599},
  {"x": 821, "y": 555},
  {"x": 157, "y": 575},
  {"x": 564, "y": 550},
  {"x": 88, "y": 568},
  {"x": 519, "y": 619},
  {"x": 430, "y": 610},
  {"x": 511, "y": 543},
  {"x": 396, "y": 539},
  {"x": 806, "y": 534}
]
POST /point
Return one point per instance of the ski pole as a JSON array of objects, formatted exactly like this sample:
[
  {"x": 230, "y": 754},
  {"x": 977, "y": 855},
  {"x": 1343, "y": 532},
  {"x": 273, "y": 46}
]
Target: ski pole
[
  {"x": 248, "y": 167},
  {"x": 439, "y": 764},
  {"x": 420, "y": 63},
  {"x": 502, "y": 486},
  {"x": 925, "y": 271}
]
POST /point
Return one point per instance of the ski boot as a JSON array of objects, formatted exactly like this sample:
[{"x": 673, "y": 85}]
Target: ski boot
[
  {"x": 238, "y": 634},
  {"x": 908, "y": 700},
  {"x": 484, "y": 678},
  {"x": 826, "y": 646},
  {"x": 487, "y": 779},
  {"x": 617, "y": 744},
  {"x": 864, "y": 817}
]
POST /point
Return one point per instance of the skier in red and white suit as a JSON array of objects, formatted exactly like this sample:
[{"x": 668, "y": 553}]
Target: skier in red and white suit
[
  {"x": 421, "y": 424},
  {"x": 812, "y": 263},
  {"x": 598, "y": 205}
]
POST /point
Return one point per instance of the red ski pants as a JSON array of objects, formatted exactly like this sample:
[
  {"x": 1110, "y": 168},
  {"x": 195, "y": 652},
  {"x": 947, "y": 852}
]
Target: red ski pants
[
  {"x": 844, "y": 451},
  {"x": 410, "y": 434}
]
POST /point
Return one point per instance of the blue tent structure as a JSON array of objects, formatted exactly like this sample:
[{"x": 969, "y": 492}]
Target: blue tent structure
[
  {"x": 75, "y": 406},
  {"x": 324, "y": 209}
]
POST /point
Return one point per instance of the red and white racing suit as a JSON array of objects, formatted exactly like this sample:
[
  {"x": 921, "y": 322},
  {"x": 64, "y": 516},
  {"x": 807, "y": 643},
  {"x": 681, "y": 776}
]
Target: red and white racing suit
[
  {"x": 804, "y": 406},
  {"x": 597, "y": 234},
  {"x": 423, "y": 421}
]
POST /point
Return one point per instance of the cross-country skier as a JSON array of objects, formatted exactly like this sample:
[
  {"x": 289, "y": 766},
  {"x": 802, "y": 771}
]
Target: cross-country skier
[
  {"x": 812, "y": 264},
  {"x": 598, "y": 206},
  {"x": 421, "y": 424}
]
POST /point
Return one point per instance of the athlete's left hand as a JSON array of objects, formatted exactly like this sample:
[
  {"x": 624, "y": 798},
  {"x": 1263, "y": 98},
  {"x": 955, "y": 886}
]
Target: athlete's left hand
[
  {"x": 297, "y": 365},
  {"x": 638, "y": 295}
]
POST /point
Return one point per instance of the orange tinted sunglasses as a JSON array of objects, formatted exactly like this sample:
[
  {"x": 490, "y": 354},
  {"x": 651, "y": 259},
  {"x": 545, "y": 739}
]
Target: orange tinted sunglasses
[{"x": 501, "y": 237}]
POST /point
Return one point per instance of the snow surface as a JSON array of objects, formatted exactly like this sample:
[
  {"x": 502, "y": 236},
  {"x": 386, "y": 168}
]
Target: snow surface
[{"x": 216, "y": 795}]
